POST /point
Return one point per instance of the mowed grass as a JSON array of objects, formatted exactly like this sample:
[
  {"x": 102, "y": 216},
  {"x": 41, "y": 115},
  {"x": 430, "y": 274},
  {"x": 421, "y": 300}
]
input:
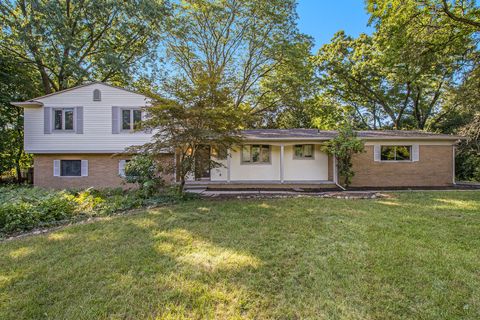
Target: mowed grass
[{"x": 414, "y": 256}]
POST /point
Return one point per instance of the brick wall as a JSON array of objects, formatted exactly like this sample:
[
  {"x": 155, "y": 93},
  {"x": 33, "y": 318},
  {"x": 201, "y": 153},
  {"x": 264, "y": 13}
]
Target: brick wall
[
  {"x": 434, "y": 168},
  {"x": 102, "y": 171}
]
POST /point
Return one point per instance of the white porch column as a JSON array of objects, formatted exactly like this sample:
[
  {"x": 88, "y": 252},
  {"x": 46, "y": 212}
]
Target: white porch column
[
  {"x": 282, "y": 152},
  {"x": 335, "y": 175},
  {"x": 229, "y": 157}
]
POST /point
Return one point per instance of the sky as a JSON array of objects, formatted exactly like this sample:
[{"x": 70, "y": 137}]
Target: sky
[{"x": 322, "y": 18}]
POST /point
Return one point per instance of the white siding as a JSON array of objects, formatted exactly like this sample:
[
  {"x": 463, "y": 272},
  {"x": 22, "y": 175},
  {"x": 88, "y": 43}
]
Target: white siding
[
  {"x": 305, "y": 169},
  {"x": 97, "y": 123}
]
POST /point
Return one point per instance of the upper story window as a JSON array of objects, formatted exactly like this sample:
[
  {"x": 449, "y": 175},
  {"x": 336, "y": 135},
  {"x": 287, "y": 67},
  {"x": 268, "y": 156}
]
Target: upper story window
[
  {"x": 396, "y": 153},
  {"x": 63, "y": 119},
  {"x": 97, "y": 95},
  {"x": 131, "y": 119},
  {"x": 303, "y": 151},
  {"x": 256, "y": 153}
]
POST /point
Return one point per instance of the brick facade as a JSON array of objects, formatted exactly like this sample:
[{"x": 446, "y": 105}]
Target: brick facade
[
  {"x": 434, "y": 169},
  {"x": 102, "y": 171}
]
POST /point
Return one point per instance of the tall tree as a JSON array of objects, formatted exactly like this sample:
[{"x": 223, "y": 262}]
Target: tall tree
[
  {"x": 17, "y": 83},
  {"x": 235, "y": 44},
  {"x": 69, "y": 42}
]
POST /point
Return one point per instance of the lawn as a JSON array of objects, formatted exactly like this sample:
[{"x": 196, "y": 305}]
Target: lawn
[{"x": 416, "y": 255}]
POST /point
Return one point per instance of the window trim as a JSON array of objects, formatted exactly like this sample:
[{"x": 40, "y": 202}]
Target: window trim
[
  {"x": 74, "y": 124},
  {"x": 62, "y": 176},
  {"x": 295, "y": 157},
  {"x": 131, "y": 109},
  {"x": 395, "y": 146},
  {"x": 251, "y": 156}
]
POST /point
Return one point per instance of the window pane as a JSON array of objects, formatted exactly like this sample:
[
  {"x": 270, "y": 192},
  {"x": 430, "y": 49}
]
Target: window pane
[
  {"x": 126, "y": 119},
  {"x": 69, "y": 119},
  {"x": 308, "y": 150},
  {"x": 58, "y": 119},
  {"x": 403, "y": 153},
  {"x": 246, "y": 153},
  {"x": 71, "y": 168},
  {"x": 137, "y": 117},
  {"x": 298, "y": 151},
  {"x": 265, "y": 153},
  {"x": 388, "y": 153},
  {"x": 255, "y": 153}
]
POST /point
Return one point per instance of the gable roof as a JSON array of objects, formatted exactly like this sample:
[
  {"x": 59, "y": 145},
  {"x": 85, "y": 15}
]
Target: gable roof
[
  {"x": 314, "y": 134},
  {"x": 35, "y": 103}
]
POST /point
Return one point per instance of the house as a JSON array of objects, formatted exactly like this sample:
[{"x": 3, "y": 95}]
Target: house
[{"x": 77, "y": 137}]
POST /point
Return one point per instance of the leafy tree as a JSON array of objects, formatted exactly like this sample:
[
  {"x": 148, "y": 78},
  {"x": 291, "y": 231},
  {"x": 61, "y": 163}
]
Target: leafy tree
[
  {"x": 235, "y": 44},
  {"x": 468, "y": 162},
  {"x": 343, "y": 147},
  {"x": 143, "y": 170},
  {"x": 199, "y": 117},
  {"x": 69, "y": 42},
  {"x": 17, "y": 83}
]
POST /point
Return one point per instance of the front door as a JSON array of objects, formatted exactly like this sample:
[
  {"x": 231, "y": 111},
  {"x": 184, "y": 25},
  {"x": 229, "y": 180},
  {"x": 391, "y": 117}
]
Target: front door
[{"x": 202, "y": 163}]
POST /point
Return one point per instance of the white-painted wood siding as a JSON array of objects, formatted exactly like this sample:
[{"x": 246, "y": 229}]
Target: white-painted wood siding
[{"x": 97, "y": 123}]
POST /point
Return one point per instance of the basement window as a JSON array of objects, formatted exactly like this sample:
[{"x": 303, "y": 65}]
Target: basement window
[{"x": 70, "y": 168}]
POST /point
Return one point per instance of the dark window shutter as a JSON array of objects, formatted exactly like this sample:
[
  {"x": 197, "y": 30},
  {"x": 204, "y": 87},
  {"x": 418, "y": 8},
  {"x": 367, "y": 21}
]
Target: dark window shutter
[
  {"x": 47, "y": 120},
  {"x": 115, "y": 120},
  {"x": 79, "y": 124}
]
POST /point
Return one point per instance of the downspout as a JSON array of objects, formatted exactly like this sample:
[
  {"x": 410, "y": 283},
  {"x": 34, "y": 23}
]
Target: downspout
[{"x": 335, "y": 174}]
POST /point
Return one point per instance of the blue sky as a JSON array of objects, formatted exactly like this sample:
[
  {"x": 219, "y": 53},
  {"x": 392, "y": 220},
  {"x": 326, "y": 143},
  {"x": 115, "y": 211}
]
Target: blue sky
[{"x": 322, "y": 18}]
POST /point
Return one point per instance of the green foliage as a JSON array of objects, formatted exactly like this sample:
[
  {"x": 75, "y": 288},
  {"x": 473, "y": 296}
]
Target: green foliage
[
  {"x": 70, "y": 42},
  {"x": 144, "y": 171},
  {"x": 343, "y": 147},
  {"x": 468, "y": 155},
  {"x": 23, "y": 208}
]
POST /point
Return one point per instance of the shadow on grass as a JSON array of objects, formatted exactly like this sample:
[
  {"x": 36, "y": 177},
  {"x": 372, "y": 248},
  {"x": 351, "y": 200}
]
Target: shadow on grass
[{"x": 286, "y": 258}]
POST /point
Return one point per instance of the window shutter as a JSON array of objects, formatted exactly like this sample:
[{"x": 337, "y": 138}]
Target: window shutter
[
  {"x": 56, "y": 168},
  {"x": 47, "y": 120},
  {"x": 415, "y": 153},
  {"x": 84, "y": 168},
  {"x": 377, "y": 152},
  {"x": 121, "y": 168},
  {"x": 79, "y": 124},
  {"x": 115, "y": 120}
]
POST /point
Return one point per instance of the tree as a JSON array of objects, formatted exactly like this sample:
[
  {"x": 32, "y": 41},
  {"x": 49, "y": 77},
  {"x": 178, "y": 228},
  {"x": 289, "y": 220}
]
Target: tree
[
  {"x": 143, "y": 170},
  {"x": 343, "y": 147},
  {"x": 70, "y": 42},
  {"x": 235, "y": 44},
  {"x": 17, "y": 83},
  {"x": 198, "y": 118},
  {"x": 468, "y": 164}
]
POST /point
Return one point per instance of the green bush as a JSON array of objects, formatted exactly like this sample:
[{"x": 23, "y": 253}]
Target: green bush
[{"x": 25, "y": 208}]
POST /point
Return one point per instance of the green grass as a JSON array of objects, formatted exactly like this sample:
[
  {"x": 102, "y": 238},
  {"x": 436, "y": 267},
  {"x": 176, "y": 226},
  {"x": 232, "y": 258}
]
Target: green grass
[{"x": 415, "y": 256}]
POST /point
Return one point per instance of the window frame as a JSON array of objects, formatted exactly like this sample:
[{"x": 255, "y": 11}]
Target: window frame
[
  {"x": 302, "y": 157},
  {"x": 63, "y": 110},
  {"x": 95, "y": 98},
  {"x": 132, "y": 122},
  {"x": 61, "y": 166},
  {"x": 251, "y": 162},
  {"x": 410, "y": 148}
]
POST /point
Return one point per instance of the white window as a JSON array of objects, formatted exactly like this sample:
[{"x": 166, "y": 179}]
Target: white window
[
  {"x": 131, "y": 119},
  {"x": 63, "y": 119},
  {"x": 255, "y": 153},
  {"x": 396, "y": 153},
  {"x": 97, "y": 95},
  {"x": 303, "y": 151},
  {"x": 70, "y": 168},
  {"x": 121, "y": 167}
]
